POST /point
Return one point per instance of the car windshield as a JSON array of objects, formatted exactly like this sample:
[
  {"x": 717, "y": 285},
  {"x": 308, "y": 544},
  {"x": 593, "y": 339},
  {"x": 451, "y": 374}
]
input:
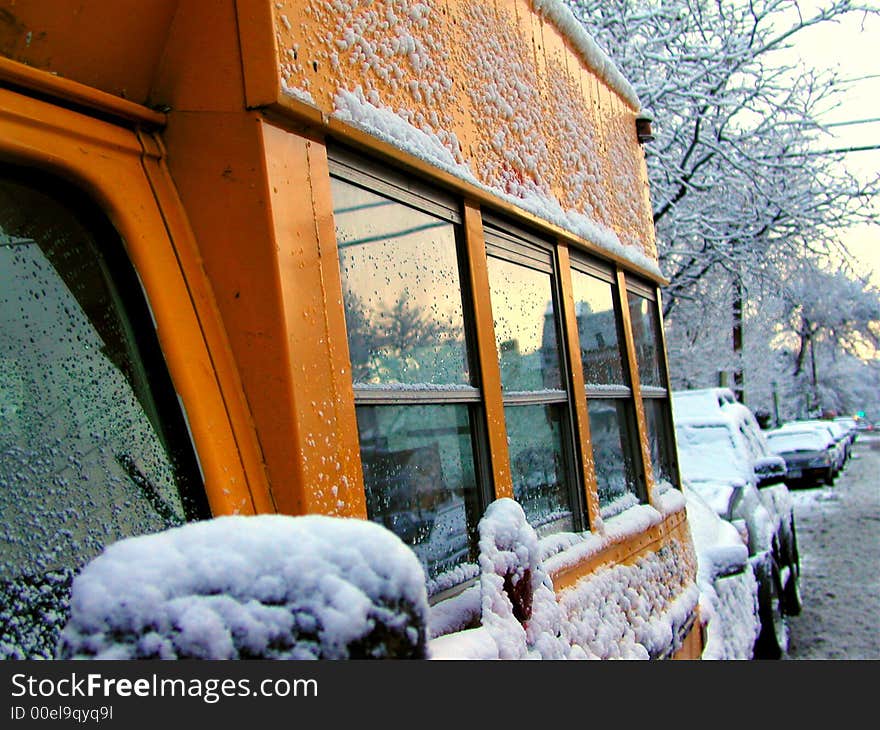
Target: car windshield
[
  {"x": 788, "y": 441},
  {"x": 825, "y": 429},
  {"x": 707, "y": 452}
]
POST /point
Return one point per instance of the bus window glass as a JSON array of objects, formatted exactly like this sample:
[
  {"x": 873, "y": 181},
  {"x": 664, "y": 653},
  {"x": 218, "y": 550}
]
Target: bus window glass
[
  {"x": 659, "y": 439},
  {"x": 646, "y": 337},
  {"x": 402, "y": 291},
  {"x": 597, "y": 331},
  {"x": 525, "y": 329},
  {"x": 415, "y": 404},
  {"x": 535, "y": 435},
  {"x": 609, "y": 398},
  {"x": 615, "y": 475},
  {"x": 87, "y": 455},
  {"x": 419, "y": 478},
  {"x": 655, "y": 395},
  {"x": 536, "y": 405}
]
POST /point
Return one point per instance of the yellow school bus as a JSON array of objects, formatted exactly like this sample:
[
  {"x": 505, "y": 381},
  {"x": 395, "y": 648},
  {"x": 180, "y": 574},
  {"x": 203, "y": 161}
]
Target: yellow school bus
[{"x": 390, "y": 260}]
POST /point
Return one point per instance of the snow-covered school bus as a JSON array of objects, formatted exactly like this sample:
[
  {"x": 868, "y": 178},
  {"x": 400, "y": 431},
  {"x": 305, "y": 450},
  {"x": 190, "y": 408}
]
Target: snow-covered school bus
[{"x": 389, "y": 259}]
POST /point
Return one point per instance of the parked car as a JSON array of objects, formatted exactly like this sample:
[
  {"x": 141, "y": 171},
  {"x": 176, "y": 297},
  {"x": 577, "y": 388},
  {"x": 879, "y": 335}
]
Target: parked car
[
  {"x": 841, "y": 436},
  {"x": 810, "y": 454},
  {"x": 851, "y": 425},
  {"x": 728, "y": 589},
  {"x": 699, "y": 404},
  {"x": 718, "y": 460},
  {"x": 838, "y": 445}
]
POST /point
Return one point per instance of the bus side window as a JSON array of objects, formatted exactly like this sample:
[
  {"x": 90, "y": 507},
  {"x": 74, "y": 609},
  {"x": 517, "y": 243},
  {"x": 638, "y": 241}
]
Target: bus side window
[{"x": 93, "y": 446}]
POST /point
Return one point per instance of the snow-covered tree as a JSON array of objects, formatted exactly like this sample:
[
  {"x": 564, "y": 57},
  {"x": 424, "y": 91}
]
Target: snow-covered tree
[
  {"x": 742, "y": 185},
  {"x": 734, "y": 174}
]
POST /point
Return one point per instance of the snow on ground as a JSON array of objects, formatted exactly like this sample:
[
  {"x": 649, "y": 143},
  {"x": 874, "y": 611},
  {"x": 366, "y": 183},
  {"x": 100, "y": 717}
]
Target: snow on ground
[{"x": 839, "y": 542}]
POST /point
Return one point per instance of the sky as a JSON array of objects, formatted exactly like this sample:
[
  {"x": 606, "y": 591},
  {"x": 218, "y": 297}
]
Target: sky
[{"x": 850, "y": 46}]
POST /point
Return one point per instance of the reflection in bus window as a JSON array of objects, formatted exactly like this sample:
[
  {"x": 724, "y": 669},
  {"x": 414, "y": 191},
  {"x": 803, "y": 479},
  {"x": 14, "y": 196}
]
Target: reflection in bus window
[
  {"x": 86, "y": 456},
  {"x": 535, "y": 402},
  {"x": 416, "y": 406},
  {"x": 597, "y": 331},
  {"x": 615, "y": 477},
  {"x": 609, "y": 397},
  {"x": 419, "y": 478},
  {"x": 402, "y": 292},
  {"x": 655, "y": 393},
  {"x": 647, "y": 337}
]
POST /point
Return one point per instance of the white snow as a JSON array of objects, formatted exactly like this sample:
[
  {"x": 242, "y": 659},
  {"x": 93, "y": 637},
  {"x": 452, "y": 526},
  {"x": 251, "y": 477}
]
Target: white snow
[
  {"x": 383, "y": 123},
  {"x": 565, "y": 22},
  {"x": 320, "y": 587},
  {"x": 634, "y": 611},
  {"x": 269, "y": 586},
  {"x": 728, "y": 589}
]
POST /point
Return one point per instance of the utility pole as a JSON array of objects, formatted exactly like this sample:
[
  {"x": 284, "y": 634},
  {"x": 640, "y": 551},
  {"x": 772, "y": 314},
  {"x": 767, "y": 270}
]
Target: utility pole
[
  {"x": 738, "y": 386},
  {"x": 817, "y": 406}
]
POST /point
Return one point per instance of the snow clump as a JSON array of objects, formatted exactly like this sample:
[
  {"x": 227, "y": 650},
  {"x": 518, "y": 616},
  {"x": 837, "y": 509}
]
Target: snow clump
[
  {"x": 260, "y": 587},
  {"x": 637, "y": 611}
]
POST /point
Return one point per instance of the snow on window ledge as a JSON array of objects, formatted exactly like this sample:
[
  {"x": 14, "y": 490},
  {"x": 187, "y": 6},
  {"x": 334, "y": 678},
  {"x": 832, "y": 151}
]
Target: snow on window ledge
[
  {"x": 356, "y": 109},
  {"x": 636, "y": 611}
]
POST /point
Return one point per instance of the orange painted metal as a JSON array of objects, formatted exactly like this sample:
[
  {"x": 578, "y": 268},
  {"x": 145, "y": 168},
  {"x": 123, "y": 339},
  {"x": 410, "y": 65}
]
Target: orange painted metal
[
  {"x": 257, "y": 36},
  {"x": 578, "y": 386},
  {"x": 78, "y": 95},
  {"x": 248, "y": 190},
  {"x": 490, "y": 370},
  {"x": 325, "y": 437},
  {"x": 202, "y": 294},
  {"x": 692, "y": 647},
  {"x": 628, "y": 550},
  {"x": 438, "y": 67},
  {"x": 200, "y": 69},
  {"x": 110, "y": 46}
]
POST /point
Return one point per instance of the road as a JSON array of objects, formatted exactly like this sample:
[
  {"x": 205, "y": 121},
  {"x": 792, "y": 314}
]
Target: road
[{"x": 839, "y": 539}]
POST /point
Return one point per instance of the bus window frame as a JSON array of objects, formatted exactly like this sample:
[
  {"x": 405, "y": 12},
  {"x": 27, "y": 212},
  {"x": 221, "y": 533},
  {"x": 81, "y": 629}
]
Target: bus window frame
[
  {"x": 120, "y": 169},
  {"x": 507, "y": 241},
  {"x": 669, "y": 449},
  {"x": 627, "y": 391},
  {"x": 393, "y": 184}
]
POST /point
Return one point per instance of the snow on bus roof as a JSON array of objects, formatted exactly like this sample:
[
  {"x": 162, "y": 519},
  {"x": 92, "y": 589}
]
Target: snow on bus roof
[
  {"x": 354, "y": 108},
  {"x": 565, "y": 22}
]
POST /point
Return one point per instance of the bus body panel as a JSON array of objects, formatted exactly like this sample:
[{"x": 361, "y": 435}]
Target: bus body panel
[{"x": 207, "y": 145}]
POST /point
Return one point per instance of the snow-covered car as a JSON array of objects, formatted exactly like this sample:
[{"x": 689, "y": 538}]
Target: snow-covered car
[
  {"x": 838, "y": 447},
  {"x": 699, "y": 404},
  {"x": 810, "y": 455},
  {"x": 842, "y": 436},
  {"x": 717, "y": 461},
  {"x": 851, "y": 425},
  {"x": 728, "y": 589}
]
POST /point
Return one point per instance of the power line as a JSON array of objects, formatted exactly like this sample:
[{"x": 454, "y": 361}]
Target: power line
[
  {"x": 852, "y": 121},
  {"x": 840, "y": 151},
  {"x": 860, "y": 78}
]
